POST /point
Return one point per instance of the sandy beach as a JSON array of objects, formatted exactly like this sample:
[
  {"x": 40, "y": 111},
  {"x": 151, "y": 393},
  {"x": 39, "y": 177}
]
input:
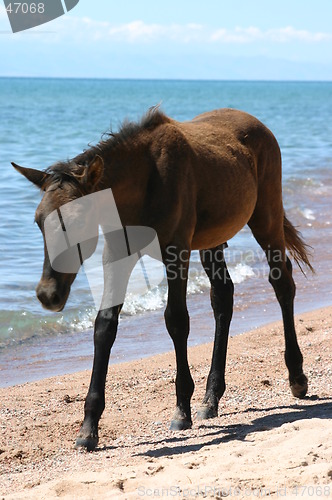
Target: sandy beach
[{"x": 265, "y": 443}]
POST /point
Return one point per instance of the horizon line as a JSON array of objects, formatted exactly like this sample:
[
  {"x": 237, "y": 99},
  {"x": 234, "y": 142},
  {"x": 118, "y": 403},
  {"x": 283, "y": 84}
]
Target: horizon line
[{"x": 262, "y": 80}]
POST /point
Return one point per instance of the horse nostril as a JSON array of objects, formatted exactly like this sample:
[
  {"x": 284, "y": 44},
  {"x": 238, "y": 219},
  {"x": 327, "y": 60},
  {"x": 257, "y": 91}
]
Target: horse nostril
[
  {"x": 55, "y": 299},
  {"x": 43, "y": 297}
]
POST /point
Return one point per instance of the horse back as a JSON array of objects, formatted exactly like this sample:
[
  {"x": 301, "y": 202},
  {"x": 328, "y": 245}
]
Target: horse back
[{"x": 214, "y": 167}]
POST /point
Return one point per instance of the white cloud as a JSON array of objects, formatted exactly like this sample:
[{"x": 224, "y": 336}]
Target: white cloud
[
  {"x": 3, "y": 12},
  {"x": 289, "y": 33},
  {"x": 71, "y": 28},
  {"x": 237, "y": 35},
  {"x": 139, "y": 31},
  {"x": 279, "y": 35}
]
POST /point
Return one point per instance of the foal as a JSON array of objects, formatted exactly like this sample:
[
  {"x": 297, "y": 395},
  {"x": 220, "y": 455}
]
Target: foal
[{"x": 196, "y": 184}]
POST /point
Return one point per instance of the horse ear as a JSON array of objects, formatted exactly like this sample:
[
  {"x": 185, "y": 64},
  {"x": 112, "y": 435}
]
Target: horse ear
[
  {"x": 35, "y": 176},
  {"x": 94, "y": 171}
]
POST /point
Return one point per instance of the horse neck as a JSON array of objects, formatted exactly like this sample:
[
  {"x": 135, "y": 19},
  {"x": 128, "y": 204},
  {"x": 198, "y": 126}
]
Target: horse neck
[{"x": 126, "y": 172}]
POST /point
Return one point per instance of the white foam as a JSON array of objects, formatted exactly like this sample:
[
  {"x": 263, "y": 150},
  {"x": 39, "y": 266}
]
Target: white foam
[
  {"x": 198, "y": 283},
  {"x": 151, "y": 301},
  {"x": 308, "y": 214},
  {"x": 137, "y": 302},
  {"x": 241, "y": 272}
]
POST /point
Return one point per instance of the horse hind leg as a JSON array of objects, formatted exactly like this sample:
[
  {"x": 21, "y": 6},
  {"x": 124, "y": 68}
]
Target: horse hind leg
[{"x": 270, "y": 234}]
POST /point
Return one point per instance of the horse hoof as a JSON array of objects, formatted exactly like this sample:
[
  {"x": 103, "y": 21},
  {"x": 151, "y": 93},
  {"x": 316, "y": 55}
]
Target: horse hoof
[
  {"x": 89, "y": 443},
  {"x": 300, "y": 386},
  {"x": 205, "y": 412},
  {"x": 180, "y": 425}
]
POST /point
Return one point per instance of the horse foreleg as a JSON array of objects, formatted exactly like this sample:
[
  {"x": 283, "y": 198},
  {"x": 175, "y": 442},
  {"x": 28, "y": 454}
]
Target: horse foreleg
[
  {"x": 177, "y": 323},
  {"x": 222, "y": 290},
  {"x": 106, "y": 325}
]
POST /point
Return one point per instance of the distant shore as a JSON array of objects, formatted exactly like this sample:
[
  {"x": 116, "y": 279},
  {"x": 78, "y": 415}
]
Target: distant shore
[{"x": 263, "y": 438}]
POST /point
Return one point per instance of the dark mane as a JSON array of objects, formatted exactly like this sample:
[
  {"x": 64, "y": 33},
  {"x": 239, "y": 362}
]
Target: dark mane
[
  {"x": 128, "y": 130},
  {"x": 72, "y": 169},
  {"x": 62, "y": 171}
]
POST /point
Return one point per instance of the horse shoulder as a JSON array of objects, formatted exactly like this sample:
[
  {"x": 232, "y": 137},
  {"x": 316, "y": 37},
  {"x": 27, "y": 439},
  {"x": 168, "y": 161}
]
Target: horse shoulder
[{"x": 172, "y": 184}]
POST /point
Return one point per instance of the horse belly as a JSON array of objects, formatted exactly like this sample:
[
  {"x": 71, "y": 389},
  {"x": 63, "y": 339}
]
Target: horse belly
[
  {"x": 216, "y": 235},
  {"x": 224, "y": 213}
]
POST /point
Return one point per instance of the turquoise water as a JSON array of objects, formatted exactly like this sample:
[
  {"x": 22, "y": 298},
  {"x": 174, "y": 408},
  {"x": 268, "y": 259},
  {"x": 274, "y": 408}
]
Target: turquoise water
[{"x": 46, "y": 120}]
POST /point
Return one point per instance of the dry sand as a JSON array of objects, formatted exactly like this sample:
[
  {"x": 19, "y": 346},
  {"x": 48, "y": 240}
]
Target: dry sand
[{"x": 265, "y": 443}]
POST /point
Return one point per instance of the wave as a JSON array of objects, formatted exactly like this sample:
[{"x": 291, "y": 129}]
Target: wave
[
  {"x": 17, "y": 327},
  {"x": 308, "y": 213}
]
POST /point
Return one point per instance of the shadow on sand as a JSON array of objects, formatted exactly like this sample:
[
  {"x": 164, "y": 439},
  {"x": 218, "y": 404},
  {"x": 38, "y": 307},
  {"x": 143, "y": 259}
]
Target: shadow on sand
[{"x": 221, "y": 434}]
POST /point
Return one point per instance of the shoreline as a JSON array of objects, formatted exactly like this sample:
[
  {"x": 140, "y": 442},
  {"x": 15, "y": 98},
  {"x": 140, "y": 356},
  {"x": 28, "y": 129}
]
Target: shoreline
[
  {"x": 67, "y": 354},
  {"x": 263, "y": 436}
]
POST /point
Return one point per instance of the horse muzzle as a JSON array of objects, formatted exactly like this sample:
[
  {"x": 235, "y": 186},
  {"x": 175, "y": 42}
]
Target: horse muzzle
[{"x": 52, "y": 296}]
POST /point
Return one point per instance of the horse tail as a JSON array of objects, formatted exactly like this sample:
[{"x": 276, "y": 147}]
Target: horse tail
[{"x": 296, "y": 246}]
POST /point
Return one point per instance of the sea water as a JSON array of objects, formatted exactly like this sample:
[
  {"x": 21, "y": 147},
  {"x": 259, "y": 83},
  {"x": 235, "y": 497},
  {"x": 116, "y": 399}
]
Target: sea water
[{"x": 46, "y": 120}]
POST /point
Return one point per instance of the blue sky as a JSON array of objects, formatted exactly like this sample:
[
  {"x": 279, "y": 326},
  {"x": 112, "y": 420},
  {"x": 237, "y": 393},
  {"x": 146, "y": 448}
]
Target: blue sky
[{"x": 277, "y": 40}]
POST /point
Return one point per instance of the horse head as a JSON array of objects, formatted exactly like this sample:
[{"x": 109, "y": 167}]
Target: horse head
[{"x": 66, "y": 217}]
